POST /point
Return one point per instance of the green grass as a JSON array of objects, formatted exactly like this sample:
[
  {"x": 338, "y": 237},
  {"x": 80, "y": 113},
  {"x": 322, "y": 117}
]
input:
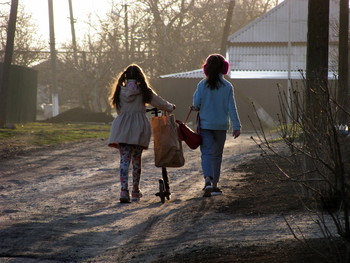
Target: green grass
[{"x": 38, "y": 134}]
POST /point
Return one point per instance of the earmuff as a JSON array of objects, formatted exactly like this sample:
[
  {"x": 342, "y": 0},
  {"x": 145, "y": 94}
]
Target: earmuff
[
  {"x": 225, "y": 66},
  {"x": 205, "y": 69}
]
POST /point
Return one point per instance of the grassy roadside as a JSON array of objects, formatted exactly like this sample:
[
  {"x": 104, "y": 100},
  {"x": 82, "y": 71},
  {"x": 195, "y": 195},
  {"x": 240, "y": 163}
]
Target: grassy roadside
[{"x": 40, "y": 134}]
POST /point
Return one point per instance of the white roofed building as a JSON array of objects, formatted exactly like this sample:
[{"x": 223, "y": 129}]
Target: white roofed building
[
  {"x": 274, "y": 43},
  {"x": 266, "y": 52},
  {"x": 277, "y": 40}
]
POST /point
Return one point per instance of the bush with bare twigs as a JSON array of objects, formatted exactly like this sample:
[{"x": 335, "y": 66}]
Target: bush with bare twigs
[{"x": 319, "y": 149}]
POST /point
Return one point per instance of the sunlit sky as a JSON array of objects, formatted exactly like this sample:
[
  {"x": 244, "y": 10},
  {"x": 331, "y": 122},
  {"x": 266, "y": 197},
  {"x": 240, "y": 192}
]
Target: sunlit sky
[{"x": 81, "y": 11}]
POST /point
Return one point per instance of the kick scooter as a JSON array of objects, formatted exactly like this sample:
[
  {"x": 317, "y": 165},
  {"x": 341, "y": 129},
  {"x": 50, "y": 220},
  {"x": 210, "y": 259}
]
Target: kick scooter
[{"x": 164, "y": 187}]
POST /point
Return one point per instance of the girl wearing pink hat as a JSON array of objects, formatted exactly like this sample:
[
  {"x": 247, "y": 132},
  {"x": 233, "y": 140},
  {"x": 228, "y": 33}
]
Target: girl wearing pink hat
[{"x": 214, "y": 99}]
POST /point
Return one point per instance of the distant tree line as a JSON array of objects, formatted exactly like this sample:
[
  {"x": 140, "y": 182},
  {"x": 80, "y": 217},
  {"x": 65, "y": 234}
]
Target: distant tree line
[{"x": 162, "y": 36}]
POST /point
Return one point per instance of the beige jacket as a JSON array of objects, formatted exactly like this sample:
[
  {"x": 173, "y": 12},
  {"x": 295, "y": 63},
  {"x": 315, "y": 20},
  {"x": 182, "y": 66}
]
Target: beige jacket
[{"x": 131, "y": 126}]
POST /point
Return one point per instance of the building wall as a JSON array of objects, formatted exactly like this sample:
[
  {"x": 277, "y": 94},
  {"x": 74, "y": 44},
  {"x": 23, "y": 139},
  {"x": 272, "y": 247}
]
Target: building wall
[
  {"x": 21, "y": 96},
  {"x": 261, "y": 57},
  {"x": 266, "y": 57},
  {"x": 263, "y": 93},
  {"x": 263, "y": 44}
]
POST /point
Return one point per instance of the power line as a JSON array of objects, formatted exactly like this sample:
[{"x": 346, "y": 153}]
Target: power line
[{"x": 61, "y": 52}]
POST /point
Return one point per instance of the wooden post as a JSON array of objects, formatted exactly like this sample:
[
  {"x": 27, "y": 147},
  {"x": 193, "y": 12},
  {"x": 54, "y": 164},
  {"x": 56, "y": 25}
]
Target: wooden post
[
  {"x": 343, "y": 66},
  {"x": 74, "y": 42},
  {"x": 5, "y": 80},
  {"x": 126, "y": 24},
  {"x": 226, "y": 32},
  {"x": 317, "y": 58},
  {"x": 55, "y": 108}
]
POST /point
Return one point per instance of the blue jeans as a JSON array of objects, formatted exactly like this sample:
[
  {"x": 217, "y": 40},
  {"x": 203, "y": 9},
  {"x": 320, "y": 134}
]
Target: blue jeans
[{"x": 212, "y": 147}]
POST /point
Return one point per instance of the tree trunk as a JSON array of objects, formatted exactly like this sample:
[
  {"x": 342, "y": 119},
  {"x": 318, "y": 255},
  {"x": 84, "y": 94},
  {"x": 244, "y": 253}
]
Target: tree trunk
[
  {"x": 226, "y": 32},
  {"x": 315, "y": 119},
  {"x": 5, "y": 80},
  {"x": 317, "y": 59},
  {"x": 343, "y": 66}
]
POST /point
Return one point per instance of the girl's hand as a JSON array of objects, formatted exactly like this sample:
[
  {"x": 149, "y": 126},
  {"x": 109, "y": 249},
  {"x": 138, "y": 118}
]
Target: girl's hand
[
  {"x": 236, "y": 133},
  {"x": 194, "y": 108}
]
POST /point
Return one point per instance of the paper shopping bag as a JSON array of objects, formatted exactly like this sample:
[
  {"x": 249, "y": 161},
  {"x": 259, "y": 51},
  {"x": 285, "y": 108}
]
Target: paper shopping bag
[{"x": 167, "y": 146}]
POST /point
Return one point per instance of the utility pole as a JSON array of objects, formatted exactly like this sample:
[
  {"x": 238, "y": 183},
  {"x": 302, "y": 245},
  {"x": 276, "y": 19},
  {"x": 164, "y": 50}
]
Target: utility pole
[
  {"x": 55, "y": 109},
  {"x": 289, "y": 48},
  {"x": 315, "y": 99},
  {"x": 226, "y": 32},
  {"x": 126, "y": 28},
  {"x": 5, "y": 81},
  {"x": 343, "y": 63},
  {"x": 317, "y": 60},
  {"x": 126, "y": 32},
  {"x": 72, "y": 21}
]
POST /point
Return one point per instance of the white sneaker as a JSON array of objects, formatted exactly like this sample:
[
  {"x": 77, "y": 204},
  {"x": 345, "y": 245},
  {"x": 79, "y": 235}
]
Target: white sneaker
[{"x": 216, "y": 191}]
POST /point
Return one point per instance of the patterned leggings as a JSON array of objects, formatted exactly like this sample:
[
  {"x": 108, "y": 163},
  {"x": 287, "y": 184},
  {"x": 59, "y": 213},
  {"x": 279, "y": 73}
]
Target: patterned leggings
[{"x": 130, "y": 153}]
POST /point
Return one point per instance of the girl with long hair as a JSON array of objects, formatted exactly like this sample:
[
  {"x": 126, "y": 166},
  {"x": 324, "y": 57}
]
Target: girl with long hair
[
  {"x": 214, "y": 99},
  {"x": 131, "y": 130}
]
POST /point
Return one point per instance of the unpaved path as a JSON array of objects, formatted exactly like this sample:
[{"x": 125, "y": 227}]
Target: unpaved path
[{"x": 61, "y": 204}]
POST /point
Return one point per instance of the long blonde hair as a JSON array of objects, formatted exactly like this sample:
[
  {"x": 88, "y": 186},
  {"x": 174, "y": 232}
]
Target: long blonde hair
[{"x": 133, "y": 71}]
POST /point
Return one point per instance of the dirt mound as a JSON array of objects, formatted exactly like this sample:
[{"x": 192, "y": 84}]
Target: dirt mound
[{"x": 80, "y": 115}]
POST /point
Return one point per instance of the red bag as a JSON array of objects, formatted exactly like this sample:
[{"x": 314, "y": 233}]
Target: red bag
[{"x": 186, "y": 134}]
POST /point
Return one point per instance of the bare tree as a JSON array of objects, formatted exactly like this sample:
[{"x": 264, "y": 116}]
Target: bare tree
[
  {"x": 85, "y": 84},
  {"x": 161, "y": 36},
  {"x": 226, "y": 30},
  {"x": 177, "y": 35},
  {"x": 326, "y": 181},
  {"x": 28, "y": 46},
  {"x": 247, "y": 11}
]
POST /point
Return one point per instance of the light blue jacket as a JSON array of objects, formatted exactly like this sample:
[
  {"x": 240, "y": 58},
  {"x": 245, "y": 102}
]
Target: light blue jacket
[{"x": 216, "y": 106}]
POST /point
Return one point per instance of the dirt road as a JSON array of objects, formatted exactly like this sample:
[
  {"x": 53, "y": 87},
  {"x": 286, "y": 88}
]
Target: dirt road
[{"x": 61, "y": 204}]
